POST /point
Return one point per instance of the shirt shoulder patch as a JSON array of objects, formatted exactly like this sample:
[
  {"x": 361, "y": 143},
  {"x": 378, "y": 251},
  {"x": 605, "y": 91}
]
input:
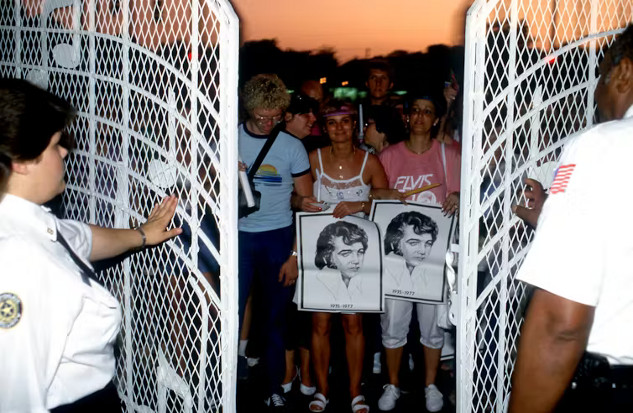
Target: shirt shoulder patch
[
  {"x": 563, "y": 175},
  {"x": 10, "y": 310}
]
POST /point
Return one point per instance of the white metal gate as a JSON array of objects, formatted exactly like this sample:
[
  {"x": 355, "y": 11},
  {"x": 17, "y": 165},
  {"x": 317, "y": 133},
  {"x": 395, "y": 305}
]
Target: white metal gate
[
  {"x": 531, "y": 68},
  {"x": 155, "y": 85}
]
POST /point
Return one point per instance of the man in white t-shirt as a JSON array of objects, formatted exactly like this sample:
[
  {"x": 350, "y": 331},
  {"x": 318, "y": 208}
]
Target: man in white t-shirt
[{"x": 578, "y": 261}]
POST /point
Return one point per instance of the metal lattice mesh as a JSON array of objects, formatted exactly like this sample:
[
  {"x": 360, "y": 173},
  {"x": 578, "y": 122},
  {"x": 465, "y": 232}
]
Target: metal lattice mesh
[
  {"x": 531, "y": 69},
  {"x": 155, "y": 86}
]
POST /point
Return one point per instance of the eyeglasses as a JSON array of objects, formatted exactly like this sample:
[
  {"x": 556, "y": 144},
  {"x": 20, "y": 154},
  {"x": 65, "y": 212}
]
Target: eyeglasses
[
  {"x": 266, "y": 119},
  {"x": 425, "y": 111}
]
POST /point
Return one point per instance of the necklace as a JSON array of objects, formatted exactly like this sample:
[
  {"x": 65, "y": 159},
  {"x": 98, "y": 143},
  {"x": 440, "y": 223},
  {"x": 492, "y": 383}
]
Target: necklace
[
  {"x": 340, "y": 165},
  {"x": 408, "y": 145}
]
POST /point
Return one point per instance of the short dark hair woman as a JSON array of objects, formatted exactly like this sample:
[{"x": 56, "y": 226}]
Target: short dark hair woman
[{"x": 58, "y": 324}]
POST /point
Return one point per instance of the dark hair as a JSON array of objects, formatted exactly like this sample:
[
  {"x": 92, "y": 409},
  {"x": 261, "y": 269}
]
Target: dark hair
[
  {"x": 395, "y": 230},
  {"x": 380, "y": 64},
  {"x": 29, "y": 117},
  {"x": 300, "y": 103},
  {"x": 622, "y": 47},
  {"x": 438, "y": 104},
  {"x": 351, "y": 234},
  {"x": 388, "y": 121},
  {"x": 437, "y": 101}
]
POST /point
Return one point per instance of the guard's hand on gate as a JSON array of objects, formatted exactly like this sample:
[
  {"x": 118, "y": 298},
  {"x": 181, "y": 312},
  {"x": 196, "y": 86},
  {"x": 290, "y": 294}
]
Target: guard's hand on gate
[{"x": 155, "y": 227}]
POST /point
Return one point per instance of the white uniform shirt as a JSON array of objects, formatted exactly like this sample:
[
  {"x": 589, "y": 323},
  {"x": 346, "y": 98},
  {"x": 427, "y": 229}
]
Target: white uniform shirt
[
  {"x": 584, "y": 242},
  {"x": 56, "y": 331}
]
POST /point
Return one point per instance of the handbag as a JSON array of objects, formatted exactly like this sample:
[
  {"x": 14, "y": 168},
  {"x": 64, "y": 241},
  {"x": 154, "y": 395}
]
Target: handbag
[{"x": 243, "y": 208}]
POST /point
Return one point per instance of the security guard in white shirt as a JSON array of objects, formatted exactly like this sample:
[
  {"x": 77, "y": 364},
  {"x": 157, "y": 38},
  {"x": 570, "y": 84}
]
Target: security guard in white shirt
[
  {"x": 58, "y": 325},
  {"x": 576, "y": 349}
]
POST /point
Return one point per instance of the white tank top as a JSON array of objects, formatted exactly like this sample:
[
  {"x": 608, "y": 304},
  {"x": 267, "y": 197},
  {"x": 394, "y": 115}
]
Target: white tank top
[{"x": 333, "y": 191}]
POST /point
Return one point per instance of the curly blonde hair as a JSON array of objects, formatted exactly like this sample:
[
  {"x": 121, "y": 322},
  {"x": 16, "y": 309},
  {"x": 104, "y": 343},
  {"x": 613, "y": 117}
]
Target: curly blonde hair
[{"x": 265, "y": 91}]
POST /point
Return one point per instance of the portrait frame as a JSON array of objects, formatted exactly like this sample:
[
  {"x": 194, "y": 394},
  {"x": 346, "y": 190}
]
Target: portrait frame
[
  {"x": 324, "y": 289},
  {"x": 423, "y": 280}
]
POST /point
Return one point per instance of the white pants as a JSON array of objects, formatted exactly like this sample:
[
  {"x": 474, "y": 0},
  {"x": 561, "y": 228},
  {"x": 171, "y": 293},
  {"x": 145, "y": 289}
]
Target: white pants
[{"x": 396, "y": 319}]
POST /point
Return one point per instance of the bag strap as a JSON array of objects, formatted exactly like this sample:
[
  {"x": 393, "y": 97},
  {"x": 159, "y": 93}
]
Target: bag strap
[{"x": 262, "y": 154}]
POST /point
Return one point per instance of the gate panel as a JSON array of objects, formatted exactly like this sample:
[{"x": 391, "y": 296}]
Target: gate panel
[
  {"x": 155, "y": 86},
  {"x": 531, "y": 68}
]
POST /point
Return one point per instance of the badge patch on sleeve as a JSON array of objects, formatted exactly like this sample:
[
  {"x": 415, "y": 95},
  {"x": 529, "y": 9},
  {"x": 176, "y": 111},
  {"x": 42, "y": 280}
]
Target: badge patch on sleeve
[
  {"x": 10, "y": 310},
  {"x": 563, "y": 175}
]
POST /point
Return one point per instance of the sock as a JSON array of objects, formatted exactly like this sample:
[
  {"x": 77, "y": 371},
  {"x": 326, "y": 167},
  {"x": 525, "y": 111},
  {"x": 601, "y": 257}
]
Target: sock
[{"x": 242, "y": 348}]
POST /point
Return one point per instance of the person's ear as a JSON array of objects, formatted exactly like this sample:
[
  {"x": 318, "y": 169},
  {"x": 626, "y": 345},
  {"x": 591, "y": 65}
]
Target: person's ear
[
  {"x": 20, "y": 168},
  {"x": 622, "y": 76},
  {"x": 288, "y": 117},
  {"x": 390, "y": 85}
]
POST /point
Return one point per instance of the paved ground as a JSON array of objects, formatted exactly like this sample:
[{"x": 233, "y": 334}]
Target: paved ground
[{"x": 250, "y": 396}]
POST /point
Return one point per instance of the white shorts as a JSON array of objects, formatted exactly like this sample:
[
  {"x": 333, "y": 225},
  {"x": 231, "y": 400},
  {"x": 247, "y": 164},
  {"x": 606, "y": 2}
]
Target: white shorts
[{"x": 396, "y": 319}]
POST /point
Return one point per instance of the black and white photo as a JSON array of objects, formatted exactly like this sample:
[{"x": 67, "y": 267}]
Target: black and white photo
[
  {"x": 415, "y": 239},
  {"x": 339, "y": 264}
]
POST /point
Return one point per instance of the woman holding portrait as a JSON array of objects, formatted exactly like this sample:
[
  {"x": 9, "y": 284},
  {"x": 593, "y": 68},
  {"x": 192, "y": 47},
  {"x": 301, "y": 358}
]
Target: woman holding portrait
[
  {"x": 343, "y": 177},
  {"x": 417, "y": 162}
]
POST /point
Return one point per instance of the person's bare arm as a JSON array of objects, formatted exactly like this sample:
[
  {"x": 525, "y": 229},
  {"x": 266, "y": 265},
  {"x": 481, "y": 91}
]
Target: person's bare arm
[
  {"x": 108, "y": 242},
  {"x": 536, "y": 197},
  {"x": 289, "y": 270},
  {"x": 302, "y": 197},
  {"x": 553, "y": 339}
]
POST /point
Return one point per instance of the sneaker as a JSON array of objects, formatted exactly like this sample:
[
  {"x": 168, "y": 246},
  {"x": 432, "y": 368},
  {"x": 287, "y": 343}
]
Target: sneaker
[
  {"x": 434, "y": 399},
  {"x": 388, "y": 399},
  {"x": 377, "y": 365},
  {"x": 276, "y": 402}
]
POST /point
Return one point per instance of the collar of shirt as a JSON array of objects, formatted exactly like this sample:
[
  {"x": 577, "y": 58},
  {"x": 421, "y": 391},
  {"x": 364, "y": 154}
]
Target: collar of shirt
[
  {"x": 36, "y": 218},
  {"x": 405, "y": 279},
  {"x": 333, "y": 281}
]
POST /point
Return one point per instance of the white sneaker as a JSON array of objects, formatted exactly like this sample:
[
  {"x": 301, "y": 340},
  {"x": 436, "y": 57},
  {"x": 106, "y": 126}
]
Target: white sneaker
[
  {"x": 377, "y": 365},
  {"x": 388, "y": 399},
  {"x": 434, "y": 399}
]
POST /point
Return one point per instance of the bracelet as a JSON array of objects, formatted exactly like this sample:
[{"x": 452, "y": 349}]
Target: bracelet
[
  {"x": 140, "y": 231},
  {"x": 293, "y": 253}
]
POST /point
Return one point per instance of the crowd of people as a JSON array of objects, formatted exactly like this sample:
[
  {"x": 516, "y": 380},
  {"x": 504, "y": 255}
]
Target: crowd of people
[
  {"x": 324, "y": 158},
  {"x": 315, "y": 154}
]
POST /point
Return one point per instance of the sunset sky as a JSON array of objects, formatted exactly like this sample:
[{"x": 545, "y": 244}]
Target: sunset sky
[{"x": 353, "y": 26}]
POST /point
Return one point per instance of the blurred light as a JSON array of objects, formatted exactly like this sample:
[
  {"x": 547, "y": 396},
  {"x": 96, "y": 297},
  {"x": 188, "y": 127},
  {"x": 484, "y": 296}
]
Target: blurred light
[
  {"x": 345, "y": 83},
  {"x": 323, "y": 80}
]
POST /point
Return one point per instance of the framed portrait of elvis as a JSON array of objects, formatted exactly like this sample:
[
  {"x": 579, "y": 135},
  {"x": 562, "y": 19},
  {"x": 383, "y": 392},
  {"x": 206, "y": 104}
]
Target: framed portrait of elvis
[
  {"x": 339, "y": 264},
  {"x": 415, "y": 238}
]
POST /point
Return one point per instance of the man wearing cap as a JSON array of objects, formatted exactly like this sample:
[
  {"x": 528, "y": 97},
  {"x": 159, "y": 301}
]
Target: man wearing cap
[{"x": 576, "y": 352}]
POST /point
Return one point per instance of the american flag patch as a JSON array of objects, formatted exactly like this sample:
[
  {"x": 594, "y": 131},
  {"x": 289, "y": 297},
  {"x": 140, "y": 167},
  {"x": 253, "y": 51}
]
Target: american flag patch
[{"x": 563, "y": 175}]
